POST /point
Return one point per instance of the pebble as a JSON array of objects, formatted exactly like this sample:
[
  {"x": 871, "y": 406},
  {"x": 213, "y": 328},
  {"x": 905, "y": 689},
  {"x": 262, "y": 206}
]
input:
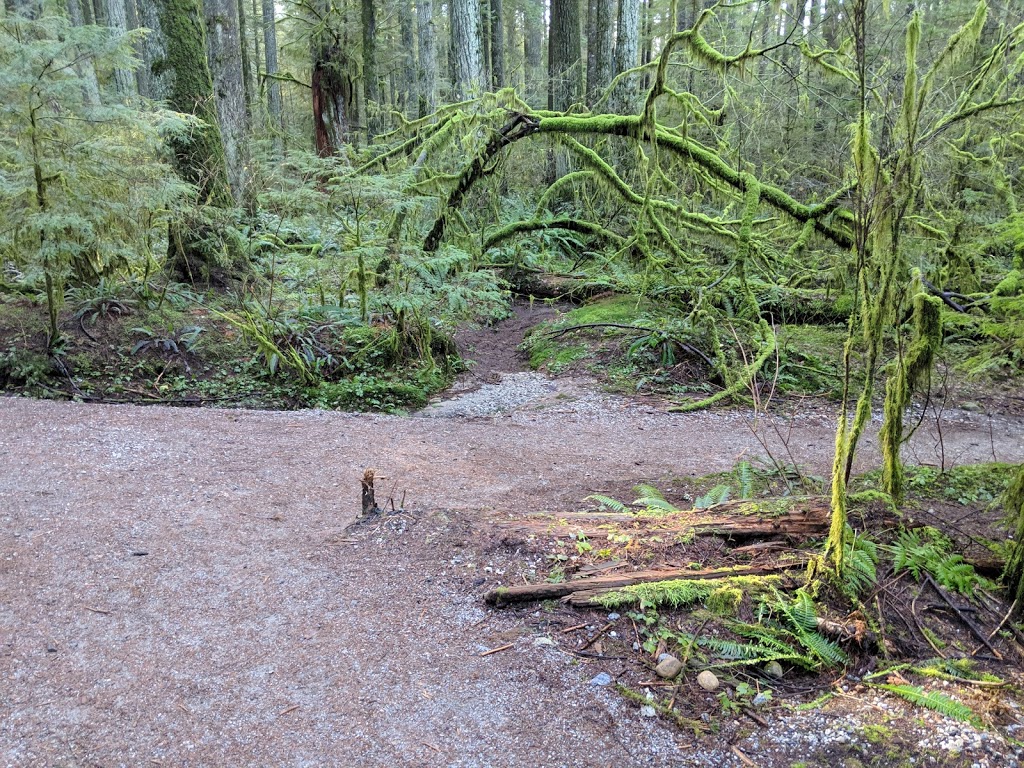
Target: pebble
[
  {"x": 707, "y": 680},
  {"x": 648, "y": 711},
  {"x": 602, "y": 678},
  {"x": 613, "y": 617},
  {"x": 668, "y": 667}
]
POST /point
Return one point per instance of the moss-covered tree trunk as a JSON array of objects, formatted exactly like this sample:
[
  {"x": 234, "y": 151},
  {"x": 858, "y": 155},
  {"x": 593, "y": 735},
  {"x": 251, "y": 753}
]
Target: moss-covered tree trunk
[
  {"x": 196, "y": 248},
  {"x": 1013, "y": 576}
]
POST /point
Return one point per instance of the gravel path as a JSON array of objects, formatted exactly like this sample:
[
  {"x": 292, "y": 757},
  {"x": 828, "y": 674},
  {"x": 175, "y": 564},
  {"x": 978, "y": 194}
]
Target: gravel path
[{"x": 180, "y": 587}]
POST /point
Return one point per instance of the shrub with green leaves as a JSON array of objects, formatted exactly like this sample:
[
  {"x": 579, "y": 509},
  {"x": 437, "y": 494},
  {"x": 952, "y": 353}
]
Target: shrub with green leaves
[{"x": 83, "y": 188}]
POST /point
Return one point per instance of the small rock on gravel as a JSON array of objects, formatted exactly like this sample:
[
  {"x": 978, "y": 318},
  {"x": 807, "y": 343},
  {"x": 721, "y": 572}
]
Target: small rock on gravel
[
  {"x": 707, "y": 680},
  {"x": 668, "y": 667},
  {"x": 602, "y": 678}
]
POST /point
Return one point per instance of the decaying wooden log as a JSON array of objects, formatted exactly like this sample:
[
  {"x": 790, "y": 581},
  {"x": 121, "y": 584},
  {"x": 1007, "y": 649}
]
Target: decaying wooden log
[
  {"x": 790, "y": 518},
  {"x": 575, "y": 590}
]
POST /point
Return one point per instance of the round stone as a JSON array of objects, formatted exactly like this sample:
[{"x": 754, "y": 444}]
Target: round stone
[
  {"x": 668, "y": 667},
  {"x": 707, "y": 680}
]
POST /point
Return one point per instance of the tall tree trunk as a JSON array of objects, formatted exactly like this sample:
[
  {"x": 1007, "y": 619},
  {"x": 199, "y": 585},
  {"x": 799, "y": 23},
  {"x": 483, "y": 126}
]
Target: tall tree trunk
[
  {"x": 142, "y": 86},
  {"x": 333, "y": 94},
  {"x": 273, "y": 85},
  {"x": 467, "y": 59},
  {"x": 156, "y": 77},
  {"x": 223, "y": 48},
  {"x": 513, "y": 67},
  {"x": 427, "y": 69},
  {"x": 533, "y": 47},
  {"x": 627, "y": 55},
  {"x": 600, "y": 49},
  {"x": 565, "y": 66},
  {"x": 497, "y": 45},
  {"x": 407, "y": 100},
  {"x": 565, "y": 70},
  {"x": 195, "y": 250},
  {"x": 247, "y": 72},
  {"x": 371, "y": 88},
  {"x": 647, "y": 43},
  {"x": 485, "y": 41},
  {"x": 85, "y": 68},
  {"x": 117, "y": 19}
]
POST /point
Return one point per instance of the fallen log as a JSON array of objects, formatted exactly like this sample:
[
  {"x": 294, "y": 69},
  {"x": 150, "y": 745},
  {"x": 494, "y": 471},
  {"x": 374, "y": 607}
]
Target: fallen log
[
  {"x": 790, "y": 518},
  {"x": 591, "y": 587}
]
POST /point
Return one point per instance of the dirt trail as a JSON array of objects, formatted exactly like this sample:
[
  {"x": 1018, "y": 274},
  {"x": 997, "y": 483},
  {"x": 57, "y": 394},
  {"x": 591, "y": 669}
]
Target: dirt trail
[{"x": 178, "y": 587}]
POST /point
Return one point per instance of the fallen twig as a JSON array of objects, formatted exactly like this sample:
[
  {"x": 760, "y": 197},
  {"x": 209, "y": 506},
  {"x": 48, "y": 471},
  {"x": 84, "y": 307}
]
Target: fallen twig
[
  {"x": 963, "y": 617},
  {"x": 597, "y": 634},
  {"x": 496, "y": 650},
  {"x": 743, "y": 758}
]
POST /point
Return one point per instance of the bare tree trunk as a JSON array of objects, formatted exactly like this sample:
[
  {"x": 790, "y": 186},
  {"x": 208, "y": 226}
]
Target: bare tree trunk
[
  {"x": 485, "y": 41},
  {"x": 156, "y": 77},
  {"x": 565, "y": 66},
  {"x": 600, "y": 49},
  {"x": 467, "y": 75},
  {"x": 427, "y": 69},
  {"x": 223, "y": 50},
  {"x": 533, "y": 42},
  {"x": 247, "y": 72},
  {"x": 408, "y": 99},
  {"x": 371, "y": 88},
  {"x": 513, "y": 68},
  {"x": 85, "y": 68},
  {"x": 565, "y": 70},
  {"x": 627, "y": 55},
  {"x": 647, "y": 40},
  {"x": 117, "y": 19},
  {"x": 274, "y": 106},
  {"x": 497, "y": 46}
]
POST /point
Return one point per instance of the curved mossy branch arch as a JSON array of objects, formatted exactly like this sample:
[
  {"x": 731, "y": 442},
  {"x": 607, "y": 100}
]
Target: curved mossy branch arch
[
  {"x": 572, "y": 225},
  {"x": 631, "y": 126},
  {"x": 521, "y": 126},
  {"x": 518, "y": 127}
]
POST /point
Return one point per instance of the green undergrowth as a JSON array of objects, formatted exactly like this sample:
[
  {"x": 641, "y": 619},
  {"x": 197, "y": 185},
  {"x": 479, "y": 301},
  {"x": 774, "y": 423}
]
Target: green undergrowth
[
  {"x": 159, "y": 348},
  {"x": 966, "y": 484}
]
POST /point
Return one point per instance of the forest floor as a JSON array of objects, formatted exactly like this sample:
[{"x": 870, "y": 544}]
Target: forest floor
[{"x": 189, "y": 587}]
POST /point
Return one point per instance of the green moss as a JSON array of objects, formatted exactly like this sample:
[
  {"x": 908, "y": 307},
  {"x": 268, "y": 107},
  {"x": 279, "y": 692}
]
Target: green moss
[
  {"x": 725, "y": 601},
  {"x": 877, "y": 733},
  {"x": 911, "y": 372},
  {"x": 966, "y": 485},
  {"x": 682, "y": 592},
  {"x": 615, "y": 309}
]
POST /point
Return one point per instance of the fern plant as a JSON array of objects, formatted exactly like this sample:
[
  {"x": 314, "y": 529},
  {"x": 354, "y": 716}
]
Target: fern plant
[
  {"x": 717, "y": 495},
  {"x": 938, "y": 702},
  {"x": 926, "y": 551}
]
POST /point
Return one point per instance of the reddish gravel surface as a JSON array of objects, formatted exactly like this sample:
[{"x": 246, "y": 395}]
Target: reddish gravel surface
[{"x": 178, "y": 587}]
